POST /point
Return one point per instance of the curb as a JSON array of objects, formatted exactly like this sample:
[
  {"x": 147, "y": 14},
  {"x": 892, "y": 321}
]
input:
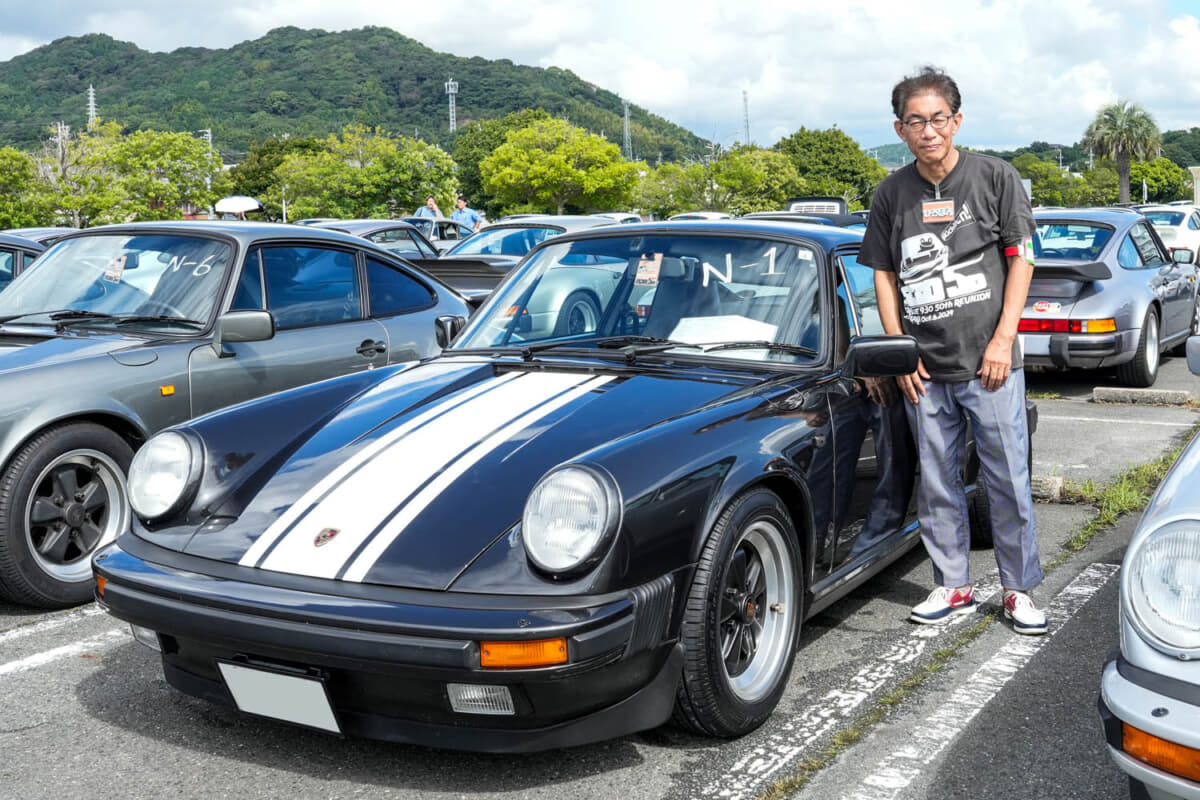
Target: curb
[
  {"x": 1158, "y": 397},
  {"x": 1047, "y": 487}
]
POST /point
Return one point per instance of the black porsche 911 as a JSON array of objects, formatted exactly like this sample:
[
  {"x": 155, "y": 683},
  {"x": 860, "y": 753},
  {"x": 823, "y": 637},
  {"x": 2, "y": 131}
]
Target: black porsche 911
[{"x": 555, "y": 532}]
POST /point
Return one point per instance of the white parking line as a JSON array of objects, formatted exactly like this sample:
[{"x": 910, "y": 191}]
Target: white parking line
[
  {"x": 787, "y": 740},
  {"x": 898, "y": 770},
  {"x": 1122, "y": 421},
  {"x": 49, "y": 624},
  {"x": 78, "y": 648}
]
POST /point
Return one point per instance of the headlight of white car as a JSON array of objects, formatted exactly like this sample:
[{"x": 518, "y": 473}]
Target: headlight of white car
[
  {"x": 571, "y": 514},
  {"x": 163, "y": 474},
  {"x": 1162, "y": 591}
]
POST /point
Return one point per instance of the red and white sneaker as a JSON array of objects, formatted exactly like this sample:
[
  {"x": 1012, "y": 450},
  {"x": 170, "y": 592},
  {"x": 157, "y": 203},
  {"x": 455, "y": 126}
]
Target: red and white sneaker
[
  {"x": 942, "y": 603},
  {"x": 1026, "y": 617}
]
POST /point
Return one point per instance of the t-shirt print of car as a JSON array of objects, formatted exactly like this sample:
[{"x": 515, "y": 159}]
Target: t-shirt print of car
[{"x": 922, "y": 255}]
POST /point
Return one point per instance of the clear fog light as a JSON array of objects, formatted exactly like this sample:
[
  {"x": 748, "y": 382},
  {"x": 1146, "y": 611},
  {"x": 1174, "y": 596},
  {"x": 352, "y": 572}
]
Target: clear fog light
[
  {"x": 147, "y": 637},
  {"x": 472, "y": 698}
]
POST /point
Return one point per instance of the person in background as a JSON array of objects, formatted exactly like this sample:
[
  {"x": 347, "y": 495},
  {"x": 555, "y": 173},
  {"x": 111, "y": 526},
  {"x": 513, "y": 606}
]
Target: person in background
[
  {"x": 950, "y": 238},
  {"x": 430, "y": 209},
  {"x": 466, "y": 215}
]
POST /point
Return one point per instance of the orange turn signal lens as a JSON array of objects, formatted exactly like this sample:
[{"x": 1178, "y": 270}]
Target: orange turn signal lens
[
  {"x": 1099, "y": 325},
  {"x": 167, "y": 390},
  {"x": 516, "y": 655},
  {"x": 100, "y": 584},
  {"x": 1167, "y": 756}
]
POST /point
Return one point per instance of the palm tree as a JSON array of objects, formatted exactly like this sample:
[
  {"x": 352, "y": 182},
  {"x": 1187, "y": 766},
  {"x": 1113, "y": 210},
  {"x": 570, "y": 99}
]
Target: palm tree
[{"x": 1123, "y": 131}]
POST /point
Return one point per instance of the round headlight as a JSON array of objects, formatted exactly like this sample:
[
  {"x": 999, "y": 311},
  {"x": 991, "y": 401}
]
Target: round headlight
[
  {"x": 161, "y": 474},
  {"x": 1162, "y": 588},
  {"x": 570, "y": 514}
]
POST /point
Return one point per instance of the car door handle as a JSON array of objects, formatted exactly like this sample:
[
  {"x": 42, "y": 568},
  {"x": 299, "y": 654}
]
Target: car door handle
[{"x": 371, "y": 348}]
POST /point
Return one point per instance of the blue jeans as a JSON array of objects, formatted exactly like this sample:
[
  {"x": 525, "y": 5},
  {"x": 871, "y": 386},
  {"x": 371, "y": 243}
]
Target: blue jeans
[{"x": 939, "y": 423}]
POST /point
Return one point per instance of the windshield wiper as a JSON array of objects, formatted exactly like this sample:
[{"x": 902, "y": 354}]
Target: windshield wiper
[
  {"x": 121, "y": 320},
  {"x": 782, "y": 347},
  {"x": 631, "y": 345}
]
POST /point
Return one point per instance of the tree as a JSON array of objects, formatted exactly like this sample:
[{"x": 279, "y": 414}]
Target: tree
[
  {"x": 479, "y": 140},
  {"x": 23, "y": 200},
  {"x": 750, "y": 178},
  {"x": 552, "y": 164},
  {"x": 1099, "y": 187},
  {"x": 1124, "y": 131},
  {"x": 1049, "y": 185},
  {"x": 1164, "y": 180},
  {"x": 670, "y": 188},
  {"x": 364, "y": 172},
  {"x": 255, "y": 175},
  {"x": 75, "y": 175},
  {"x": 831, "y": 163},
  {"x": 160, "y": 172}
]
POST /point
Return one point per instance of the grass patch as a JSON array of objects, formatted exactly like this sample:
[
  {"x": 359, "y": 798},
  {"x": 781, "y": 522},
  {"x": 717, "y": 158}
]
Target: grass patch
[{"x": 1043, "y": 395}]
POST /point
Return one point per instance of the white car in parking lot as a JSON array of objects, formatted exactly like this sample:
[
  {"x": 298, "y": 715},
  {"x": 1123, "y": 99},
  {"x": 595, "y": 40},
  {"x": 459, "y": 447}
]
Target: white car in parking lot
[
  {"x": 1177, "y": 226},
  {"x": 1150, "y": 689}
]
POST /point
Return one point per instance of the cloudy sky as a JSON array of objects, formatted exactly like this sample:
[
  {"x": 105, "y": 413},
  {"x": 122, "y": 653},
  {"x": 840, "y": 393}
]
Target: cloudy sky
[{"x": 1027, "y": 69}]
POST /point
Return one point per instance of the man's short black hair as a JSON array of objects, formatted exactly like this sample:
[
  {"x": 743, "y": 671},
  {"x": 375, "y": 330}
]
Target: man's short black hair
[
  {"x": 929, "y": 79},
  {"x": 462, "y": 197},
  {"x": 430, "y": 197}
]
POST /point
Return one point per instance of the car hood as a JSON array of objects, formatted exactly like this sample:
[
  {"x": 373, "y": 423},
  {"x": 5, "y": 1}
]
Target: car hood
[
  {"x": 22, "y": 348},
  {"x": 409, "y": 483}
]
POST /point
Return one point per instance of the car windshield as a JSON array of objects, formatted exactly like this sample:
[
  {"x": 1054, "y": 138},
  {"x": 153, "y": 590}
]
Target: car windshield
[
  {"x": 1166, "y": 218},
  {"x": 123, "y": 275},
  {"x": 758, "y": 297},
  {"x": 1073, "y": 241},
  {"x": 515, "y": 241}
]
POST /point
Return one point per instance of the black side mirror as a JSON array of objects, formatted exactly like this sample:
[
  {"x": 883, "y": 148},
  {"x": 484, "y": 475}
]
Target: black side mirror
[
  {"x": 880, "y": 357},
  {"x": 446, "y": 327},
  {"x": 241, "y": 326}
]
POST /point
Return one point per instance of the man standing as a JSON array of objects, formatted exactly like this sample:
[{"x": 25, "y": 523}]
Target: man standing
[
  {"x": 949, "y": 238},
  {"x": 430, "y": 209},
  {"x": 467, "y": 216}
]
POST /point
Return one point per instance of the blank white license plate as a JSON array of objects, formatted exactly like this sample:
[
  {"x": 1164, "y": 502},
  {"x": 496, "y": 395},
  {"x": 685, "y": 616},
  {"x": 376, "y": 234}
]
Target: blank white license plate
[{"x": 290, "y": 698}]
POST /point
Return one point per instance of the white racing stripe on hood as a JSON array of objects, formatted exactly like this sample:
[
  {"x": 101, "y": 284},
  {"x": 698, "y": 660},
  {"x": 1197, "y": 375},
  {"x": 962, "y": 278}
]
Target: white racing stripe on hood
[
  {"x": 314, "y": 495},
  {"x": 380, "y": 543},
  {"x": 361, "y": 503}
]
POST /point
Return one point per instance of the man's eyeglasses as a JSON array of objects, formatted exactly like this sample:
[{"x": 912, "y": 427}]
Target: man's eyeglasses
[{"x": 917, "y": 124}]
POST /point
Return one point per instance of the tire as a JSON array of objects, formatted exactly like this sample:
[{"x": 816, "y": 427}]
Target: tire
[
  {"x": 742, "y": 619},
  {"x": 579, "y": 314},
  {"x": 1143, "y": 369},
  {"x": 62, "y": 496}
]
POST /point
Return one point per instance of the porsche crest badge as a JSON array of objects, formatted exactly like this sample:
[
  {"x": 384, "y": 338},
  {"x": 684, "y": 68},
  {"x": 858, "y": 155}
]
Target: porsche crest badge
[{"x": 325, "y": 536}]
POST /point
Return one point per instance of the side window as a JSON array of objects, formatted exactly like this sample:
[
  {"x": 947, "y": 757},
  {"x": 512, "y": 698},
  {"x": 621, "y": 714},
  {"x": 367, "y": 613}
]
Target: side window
[
  {"x": 310, "y": 285},
  {"x": 391, "y": 291},
  {"x": 1146, "y": 246},
  {"x": 7, "y": 268},
  {"x": 861, "y": 282},
  {"x": 422, "y": 249},
  {"x": 448, "y": 231},
  {"x": 249, "y": 294},
  {"x": 1194, "y": 222},
  {"x": 1127, "y": 255}
]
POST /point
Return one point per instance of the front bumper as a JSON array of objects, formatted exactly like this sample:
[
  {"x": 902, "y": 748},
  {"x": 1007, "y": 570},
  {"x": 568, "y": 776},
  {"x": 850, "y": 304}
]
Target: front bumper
[
  {"x": 385, "y": 662},
  {"x": 1079, "y": 350},
  {"x": 1159, "y": 706}
]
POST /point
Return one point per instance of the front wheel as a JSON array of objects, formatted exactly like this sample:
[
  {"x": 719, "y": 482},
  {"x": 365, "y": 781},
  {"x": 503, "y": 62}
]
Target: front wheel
[
  {"x": 1143, "y": 369},
  {"x": 742, "y": 619},
  {"x": 62, "y": 496}
]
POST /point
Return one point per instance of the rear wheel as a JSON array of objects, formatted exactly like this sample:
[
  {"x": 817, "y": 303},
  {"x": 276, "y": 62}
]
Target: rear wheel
[
  {"x": 742, "y": 619},
  {"x": 579, "y": 314},
  {"x": 62, "y": 496},
  {"x": 1143, "y": 369}
]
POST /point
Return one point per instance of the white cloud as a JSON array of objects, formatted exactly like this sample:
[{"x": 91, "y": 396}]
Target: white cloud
[{"x": 1028, "y": 69}]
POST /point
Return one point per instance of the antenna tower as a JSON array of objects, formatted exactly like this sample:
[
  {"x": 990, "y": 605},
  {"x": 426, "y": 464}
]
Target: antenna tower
[
  {"x": 452, "y": 90},
  {"x": 91, "y": 105},
  {"x": 746, "y": 113},
  {"x": 627, "y": 146}
]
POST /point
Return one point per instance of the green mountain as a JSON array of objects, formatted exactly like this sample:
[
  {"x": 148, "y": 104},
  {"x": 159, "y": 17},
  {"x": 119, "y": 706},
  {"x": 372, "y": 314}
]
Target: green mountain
[{"x": 302, "y": 83}]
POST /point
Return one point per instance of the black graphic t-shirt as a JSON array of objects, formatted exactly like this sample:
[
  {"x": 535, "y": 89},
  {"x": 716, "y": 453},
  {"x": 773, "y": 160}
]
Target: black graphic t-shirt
[{"x": 946, "y": 245}]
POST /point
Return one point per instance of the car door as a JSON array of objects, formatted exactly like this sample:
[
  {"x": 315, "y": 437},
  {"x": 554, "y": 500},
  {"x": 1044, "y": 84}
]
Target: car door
[
  {"x": 876, "y": 457},
  {"x": 315, "y": 294},
  {"x": 405, "y": 305},
  {"x": 1173, "y": 283}
]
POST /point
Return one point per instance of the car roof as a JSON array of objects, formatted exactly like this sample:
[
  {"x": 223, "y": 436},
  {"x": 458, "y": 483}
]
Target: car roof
[
  {"x": 567, "y": 222},
  {"x": 1116, "y": 217},
  {"x": 41, "y": 233},
  {"x": 826, "y": 236},
  {"x": 13, "y": 240},
  {"x": 243, "y": 231},
  {"x": 363, "y": 225}
]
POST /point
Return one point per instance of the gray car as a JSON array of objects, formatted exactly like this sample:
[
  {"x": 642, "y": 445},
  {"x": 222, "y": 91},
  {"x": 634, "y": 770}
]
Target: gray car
[
  {"x": 16, "y": 253},
  {"x": 120, "y": 331},
  {"x": 395, "y": 235},
  {"x": 1150, "y": 689},
  {"x": 1105, "y": 293}
]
